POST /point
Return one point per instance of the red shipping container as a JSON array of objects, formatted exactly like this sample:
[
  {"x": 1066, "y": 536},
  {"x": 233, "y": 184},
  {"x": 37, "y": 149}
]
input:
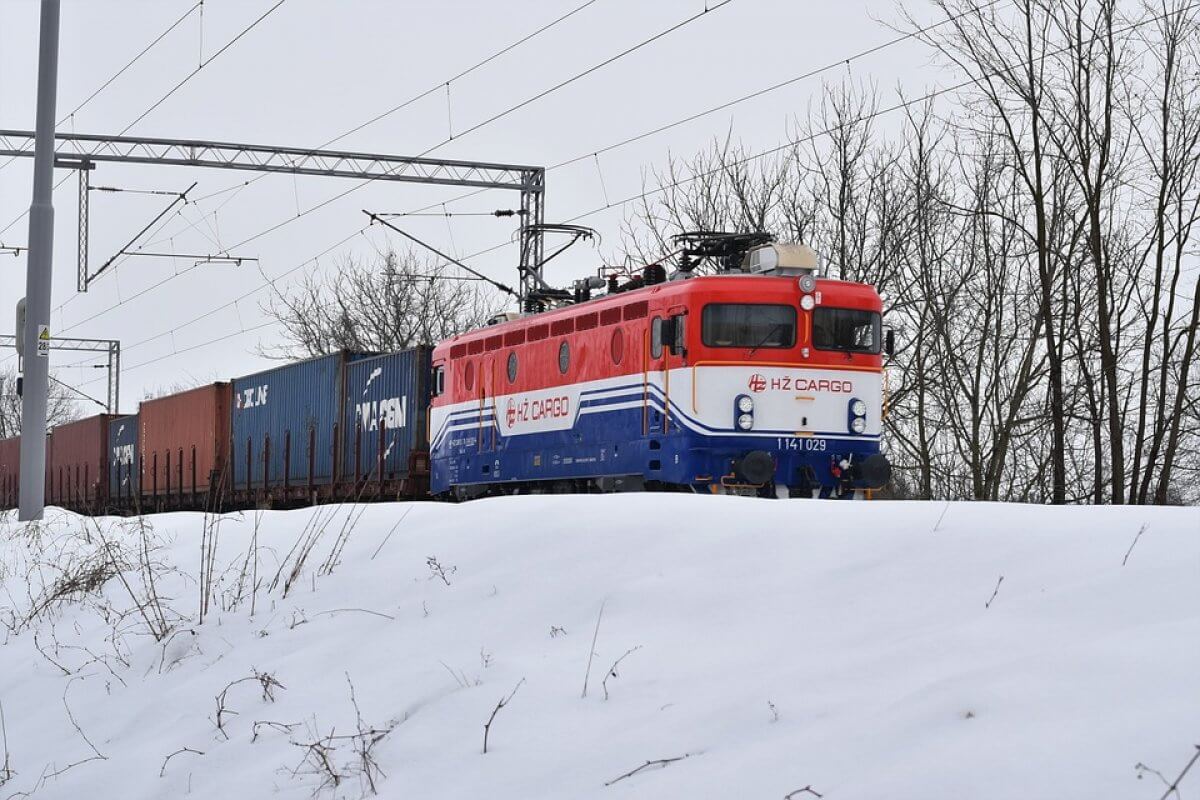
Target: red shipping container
[
  {"x": 184, "y": 440},
  {"x": 10, "y": 472},
  {"x": 78, "y": 462},
  {"x": 10, "y": 462}
]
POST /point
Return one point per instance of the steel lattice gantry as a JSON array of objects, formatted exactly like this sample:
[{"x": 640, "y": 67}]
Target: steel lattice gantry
[
  {"x": 109, "y": 348},
  {"x": 84, "y": 151}
]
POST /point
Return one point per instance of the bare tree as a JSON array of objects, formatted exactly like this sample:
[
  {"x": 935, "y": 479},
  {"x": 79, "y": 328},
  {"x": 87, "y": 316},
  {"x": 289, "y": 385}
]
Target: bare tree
[
  {"x": 1168, "y": 139},
  {"x": 60, "y": 408},
  {"x": 1032, "y": 237},
  {"x": 398, "y": 302}
]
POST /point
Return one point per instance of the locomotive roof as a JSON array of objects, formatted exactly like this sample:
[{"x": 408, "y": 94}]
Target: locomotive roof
[{"x": 843, "y": 291}]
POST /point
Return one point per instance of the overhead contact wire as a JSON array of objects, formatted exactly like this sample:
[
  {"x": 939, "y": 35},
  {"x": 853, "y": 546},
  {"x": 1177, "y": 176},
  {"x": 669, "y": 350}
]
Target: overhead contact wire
[{"x": 357, "y": 186}]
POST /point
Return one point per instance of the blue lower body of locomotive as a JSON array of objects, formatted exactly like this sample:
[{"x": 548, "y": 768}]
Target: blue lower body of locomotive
[{"x": 636, "y": 446}]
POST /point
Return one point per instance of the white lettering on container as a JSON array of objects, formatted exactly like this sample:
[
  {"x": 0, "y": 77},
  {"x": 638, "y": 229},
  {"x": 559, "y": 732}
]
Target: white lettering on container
[{"x": 393, "y": 411}]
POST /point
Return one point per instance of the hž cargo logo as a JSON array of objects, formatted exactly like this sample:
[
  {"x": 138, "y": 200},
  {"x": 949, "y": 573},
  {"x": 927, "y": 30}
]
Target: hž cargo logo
[
  {"x": 535, "y": 410},
  {"x": 788, "y": 383},
  {"x": 251, "y": 397}
]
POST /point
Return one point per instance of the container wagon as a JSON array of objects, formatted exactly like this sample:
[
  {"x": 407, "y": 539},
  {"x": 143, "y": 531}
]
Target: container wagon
[
  {"x": 386, "y": 449},
  {"x": 184, "y": 443},
  {"x": 10, "y": 472},
  {"x": 124, "y": 462},
  {"x": 78, "y": 464},
  {"x": 10, "y": 461},
  {"x": 285, "y": 443}
]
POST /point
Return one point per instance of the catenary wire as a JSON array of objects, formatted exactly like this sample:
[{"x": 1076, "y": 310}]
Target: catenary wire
[
  {"x": 420, "y": 95},
  {"x": 789, "y": 144},
  {"x": 202, "y": 65},
  {"x": 757, "y": 93},
  {"x": 494, "y": 118},
  {"x": 134, "y": 60},
  {"x": 355, "y": 187},
  {"x": 267, "y": 283},
  {"x": 121, "y": 71},
  {"x": 870, "y": 51},
  {"x": 172, "y": 91},
  {"x": 827, "y": 131},
  {"x": 461, "y": 74}
]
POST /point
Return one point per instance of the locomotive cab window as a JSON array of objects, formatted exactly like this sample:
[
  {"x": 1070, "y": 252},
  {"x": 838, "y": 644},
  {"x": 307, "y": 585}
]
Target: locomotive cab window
[
  {"x": 752, "y": 325},
  {"x": 849, "y": 329},
  {"x": 439, "y": 380}
]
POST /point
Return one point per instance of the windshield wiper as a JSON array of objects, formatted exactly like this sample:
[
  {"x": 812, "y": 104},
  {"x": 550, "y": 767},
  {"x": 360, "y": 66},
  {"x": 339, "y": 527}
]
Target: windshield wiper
[{"x": 763, "y": 341}]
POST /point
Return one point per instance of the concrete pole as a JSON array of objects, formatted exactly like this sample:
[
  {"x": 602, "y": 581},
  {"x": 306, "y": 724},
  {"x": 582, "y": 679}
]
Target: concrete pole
[{"x": 37, "y": 277}]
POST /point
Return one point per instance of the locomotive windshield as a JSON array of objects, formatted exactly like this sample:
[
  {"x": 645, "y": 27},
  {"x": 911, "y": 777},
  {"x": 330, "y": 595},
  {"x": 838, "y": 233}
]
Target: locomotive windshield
[
  {"x": 748, "y": 325},
  {"x": 848, "y": 329}
]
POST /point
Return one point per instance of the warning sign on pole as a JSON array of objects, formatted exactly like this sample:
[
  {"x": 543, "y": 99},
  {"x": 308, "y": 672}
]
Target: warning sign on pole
[{"x": 43, "y": 344}]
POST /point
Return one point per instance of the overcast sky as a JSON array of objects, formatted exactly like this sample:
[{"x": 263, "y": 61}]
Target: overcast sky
[{"x": 313, "y": 70}]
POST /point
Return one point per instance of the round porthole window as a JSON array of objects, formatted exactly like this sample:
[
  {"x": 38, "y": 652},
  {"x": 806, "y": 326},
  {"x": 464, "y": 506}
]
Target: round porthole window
[
  {"x": 564, "y": 357},
  {"x": 469, "y": 376},
  {"x": 617, "y": 346},
  {"x": 512, "y": 367}
]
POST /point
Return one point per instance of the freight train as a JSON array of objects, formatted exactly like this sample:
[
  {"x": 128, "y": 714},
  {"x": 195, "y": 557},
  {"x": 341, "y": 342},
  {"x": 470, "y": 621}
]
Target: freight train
[{"x": 764, "y": 378}]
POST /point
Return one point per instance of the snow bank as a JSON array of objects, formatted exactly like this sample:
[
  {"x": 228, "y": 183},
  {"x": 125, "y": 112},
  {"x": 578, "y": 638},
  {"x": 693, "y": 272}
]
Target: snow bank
[{"x": 864, "y": 650}]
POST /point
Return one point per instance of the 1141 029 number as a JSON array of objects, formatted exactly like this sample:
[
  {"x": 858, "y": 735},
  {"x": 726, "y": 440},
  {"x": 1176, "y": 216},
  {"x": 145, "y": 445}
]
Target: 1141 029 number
[{"x": 799, "y": 443}]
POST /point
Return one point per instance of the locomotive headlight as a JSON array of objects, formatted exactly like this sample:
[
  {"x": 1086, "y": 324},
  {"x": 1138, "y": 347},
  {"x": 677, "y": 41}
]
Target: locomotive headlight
[
  {"x": 858, "y": 424},
  {"x": 858, "y": 408},
  {"x": 807, "y": 302},
  {"x": 743, "y": 412}
]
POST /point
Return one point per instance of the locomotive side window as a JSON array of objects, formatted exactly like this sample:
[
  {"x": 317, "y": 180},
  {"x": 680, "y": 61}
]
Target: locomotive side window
[
  {"x": 656, "y": 341},
  {"x": 469, "y": 375},
  {"x": 564, "y": 357},
  {"x": 439, "y": 380},
  {"x": 751, "y": 325},
  {"x": 674, "y": 333},
  {"x": 618, "y": 346},
  {"x": 512, "y": 367},
  {"x": 848, "y": 329}
]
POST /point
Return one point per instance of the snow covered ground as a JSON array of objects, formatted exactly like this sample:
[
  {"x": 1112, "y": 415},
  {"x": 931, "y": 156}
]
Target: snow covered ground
[{"x": 867, "y": 650}]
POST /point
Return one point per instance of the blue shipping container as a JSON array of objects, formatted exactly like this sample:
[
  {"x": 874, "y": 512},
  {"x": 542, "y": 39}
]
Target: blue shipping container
[
  {"x": 387, "y": 401},
  {"x": 124, "y": 460},
  {"x": 286, "y": 403}
]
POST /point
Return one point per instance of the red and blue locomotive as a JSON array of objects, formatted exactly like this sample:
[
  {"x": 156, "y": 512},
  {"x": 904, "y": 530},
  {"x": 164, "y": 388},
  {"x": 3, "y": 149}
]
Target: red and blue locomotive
[{"x": 763, "y": 378}]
